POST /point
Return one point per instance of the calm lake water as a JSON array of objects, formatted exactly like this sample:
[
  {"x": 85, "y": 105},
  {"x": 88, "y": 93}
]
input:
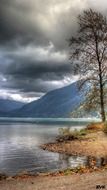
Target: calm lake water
[{"x": 19, "y": 148}]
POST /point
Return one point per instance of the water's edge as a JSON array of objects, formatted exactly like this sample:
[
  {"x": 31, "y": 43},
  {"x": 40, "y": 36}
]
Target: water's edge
[{"x": 20, "y": 148}]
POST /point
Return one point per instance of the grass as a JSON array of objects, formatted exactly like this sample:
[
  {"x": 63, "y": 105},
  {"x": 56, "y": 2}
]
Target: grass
[
  {"x": 99, "y": 126},
  {"x": 66, "y": 134}
]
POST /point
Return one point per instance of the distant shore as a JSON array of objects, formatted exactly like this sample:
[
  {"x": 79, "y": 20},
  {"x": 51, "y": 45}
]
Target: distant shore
[{"x": 48, "y": 120}]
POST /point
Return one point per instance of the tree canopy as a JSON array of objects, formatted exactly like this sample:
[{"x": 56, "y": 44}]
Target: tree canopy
[{"x": 88, "y": 55}]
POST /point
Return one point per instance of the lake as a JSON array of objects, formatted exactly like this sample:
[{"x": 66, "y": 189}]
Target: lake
[{"x": 20, "y": 151}]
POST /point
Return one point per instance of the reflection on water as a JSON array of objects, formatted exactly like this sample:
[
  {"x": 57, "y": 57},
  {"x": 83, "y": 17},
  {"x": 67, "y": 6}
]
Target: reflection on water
[
  {"x": 94, "y": 161},
  {"x": 72, "y": 161},
  {"x": 19, "y": 150},
  {"x": 90, "y": 161}
]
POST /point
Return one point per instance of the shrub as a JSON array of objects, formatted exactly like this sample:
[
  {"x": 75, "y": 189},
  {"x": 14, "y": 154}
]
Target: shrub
[
  {"x": 66, "y": 134},
  {"x": 64, "y": 131}
]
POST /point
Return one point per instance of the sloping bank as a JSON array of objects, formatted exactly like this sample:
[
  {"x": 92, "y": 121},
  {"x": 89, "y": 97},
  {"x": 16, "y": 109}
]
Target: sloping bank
[{"x": 89, "y": 142}]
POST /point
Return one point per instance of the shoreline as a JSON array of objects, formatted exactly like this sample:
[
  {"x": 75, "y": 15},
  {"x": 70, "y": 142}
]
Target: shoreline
[
  {"x": 93, "y": 144},
  {"x": 77, "y": 147},
  {"x": 82, "y": 179},
  {"x": 65, "y": 172}
]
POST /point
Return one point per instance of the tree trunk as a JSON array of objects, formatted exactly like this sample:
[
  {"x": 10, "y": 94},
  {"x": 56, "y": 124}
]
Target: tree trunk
[
  {"x": 102, "y": 112},
  {"x": 102, "y": 104},
  {"x": 102, "y": 95},
  {"x": 103, "y": 116}
]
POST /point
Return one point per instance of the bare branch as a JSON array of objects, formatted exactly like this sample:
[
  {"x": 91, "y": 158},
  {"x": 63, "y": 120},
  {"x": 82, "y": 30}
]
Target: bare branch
[{"x": 89, "y": 48}]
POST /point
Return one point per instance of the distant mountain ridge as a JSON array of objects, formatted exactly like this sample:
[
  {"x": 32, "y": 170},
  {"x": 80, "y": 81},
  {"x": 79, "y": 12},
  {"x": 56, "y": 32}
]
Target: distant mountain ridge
[
  {"x": 7, "y": 105},
  {"x": 57, "y": 103}
]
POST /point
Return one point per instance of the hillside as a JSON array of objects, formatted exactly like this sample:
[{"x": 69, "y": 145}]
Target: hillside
[{"x": 57, "y": 103}]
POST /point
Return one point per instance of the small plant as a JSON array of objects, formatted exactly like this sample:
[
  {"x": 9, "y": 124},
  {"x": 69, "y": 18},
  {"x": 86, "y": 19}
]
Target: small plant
[
  {"x": 82, "y": 132},
  {"x": 64, "y": 131}
]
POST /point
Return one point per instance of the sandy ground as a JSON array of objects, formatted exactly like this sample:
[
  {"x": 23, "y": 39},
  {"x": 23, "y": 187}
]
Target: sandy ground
[
  {"x": 87, "y": 181},
  {"x": 94, "y": 144}
]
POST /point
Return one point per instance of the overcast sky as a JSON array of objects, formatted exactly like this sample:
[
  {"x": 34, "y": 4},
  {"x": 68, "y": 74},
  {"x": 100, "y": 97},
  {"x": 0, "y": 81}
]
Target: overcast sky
[{"x": 33, "y": 44}]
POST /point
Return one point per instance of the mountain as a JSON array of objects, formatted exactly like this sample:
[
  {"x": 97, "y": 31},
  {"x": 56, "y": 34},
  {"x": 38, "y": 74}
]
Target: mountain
[
  {"x": 57, "y": 103},
  {"x": 8, "y": 106}
]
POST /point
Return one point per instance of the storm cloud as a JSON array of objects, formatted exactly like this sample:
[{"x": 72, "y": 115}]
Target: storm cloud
[{"x": 33, "y": 44}]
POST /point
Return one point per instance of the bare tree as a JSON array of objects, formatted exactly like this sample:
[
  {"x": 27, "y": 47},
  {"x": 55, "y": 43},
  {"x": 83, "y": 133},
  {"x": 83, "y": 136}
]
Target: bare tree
[{"x": 88, "y": 54}]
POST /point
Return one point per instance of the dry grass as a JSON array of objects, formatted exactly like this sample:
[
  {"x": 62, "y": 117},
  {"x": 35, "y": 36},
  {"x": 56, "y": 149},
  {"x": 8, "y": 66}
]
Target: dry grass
[{"x": 96, "y": 126}]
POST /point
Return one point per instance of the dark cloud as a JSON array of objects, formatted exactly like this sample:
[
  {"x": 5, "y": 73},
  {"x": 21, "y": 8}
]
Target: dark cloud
[
  {"x": 16, "y": 25},
  {"x": 33, "y": 46},
  {"x": 41, "y": 70},
  {"x": 32, "y": 75},
  {"x": 37, "y": 22}
]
